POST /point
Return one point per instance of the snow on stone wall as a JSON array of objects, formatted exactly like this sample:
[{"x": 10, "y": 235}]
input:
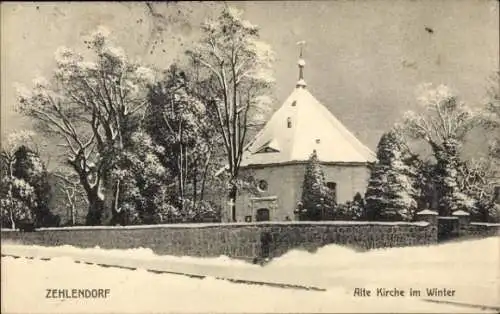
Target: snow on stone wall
[
  {"x": 242, "y": 241},
  {"x": 481, "y": 229}
]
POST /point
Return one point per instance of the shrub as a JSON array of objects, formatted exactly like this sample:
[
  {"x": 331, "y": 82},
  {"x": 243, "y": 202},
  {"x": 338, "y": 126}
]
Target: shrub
[
  {"x": 167, "y": 213},
  {"x": 351, "y": 210},
  {"x": 202, "y": 211}
]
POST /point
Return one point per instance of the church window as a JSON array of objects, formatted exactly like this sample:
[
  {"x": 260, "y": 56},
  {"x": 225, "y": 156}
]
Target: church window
[
  {"x": 333, "y": 189},
  {"x": 318, "y": 141},
  {"x": 269, "y": 147},
  {"x": 289, "y": 122},
  {"x": 262, "y": 186},
  {"x": 294, "y": 103}
]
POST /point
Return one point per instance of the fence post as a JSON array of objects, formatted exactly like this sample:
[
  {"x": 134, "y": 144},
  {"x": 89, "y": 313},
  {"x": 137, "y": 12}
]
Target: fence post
[
  {"x": 463, "y": 221},
  {"x": 432, "y": 218}
]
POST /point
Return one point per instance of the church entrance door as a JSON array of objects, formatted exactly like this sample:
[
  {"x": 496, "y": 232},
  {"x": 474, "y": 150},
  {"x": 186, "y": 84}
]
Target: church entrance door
[{"x": 262, "y": 214}]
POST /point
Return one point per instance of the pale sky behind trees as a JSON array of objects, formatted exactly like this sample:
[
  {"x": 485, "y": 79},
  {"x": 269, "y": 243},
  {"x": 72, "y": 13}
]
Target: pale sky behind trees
[{"x": 364, "y": 59}]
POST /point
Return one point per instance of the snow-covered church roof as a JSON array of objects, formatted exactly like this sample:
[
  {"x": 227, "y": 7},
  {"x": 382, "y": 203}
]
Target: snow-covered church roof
[{"x": 302, "y": 124}]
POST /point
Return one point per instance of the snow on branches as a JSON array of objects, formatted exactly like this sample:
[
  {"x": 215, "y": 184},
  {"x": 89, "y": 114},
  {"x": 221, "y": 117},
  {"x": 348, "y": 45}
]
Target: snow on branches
[
  {"x": 236, "y": 69},
  {"x": 444, "y": 125},
  {"x": 445, "y": 117},
  {"x": 391, "y": 188},
  {"x": 90, "y": 103}
]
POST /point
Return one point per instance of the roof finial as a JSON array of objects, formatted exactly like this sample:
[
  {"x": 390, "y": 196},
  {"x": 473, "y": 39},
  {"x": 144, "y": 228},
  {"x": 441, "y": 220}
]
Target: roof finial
[{"x": 301, "y": 63}]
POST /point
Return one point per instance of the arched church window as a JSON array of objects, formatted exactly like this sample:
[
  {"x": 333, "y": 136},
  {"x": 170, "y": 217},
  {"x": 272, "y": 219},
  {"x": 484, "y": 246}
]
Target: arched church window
[
  {"x": 332, "y": 186},
  {"x": 294, "y": 103},
  {"x": 289, "y": 122}
]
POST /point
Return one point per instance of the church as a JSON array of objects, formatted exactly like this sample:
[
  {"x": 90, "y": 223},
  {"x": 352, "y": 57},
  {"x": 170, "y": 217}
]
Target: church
[{"x": 276, "y": 158}]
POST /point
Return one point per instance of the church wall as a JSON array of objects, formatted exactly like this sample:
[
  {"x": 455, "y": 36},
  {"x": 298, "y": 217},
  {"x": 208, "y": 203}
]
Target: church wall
[
  {"x": 285, "y": 182},
  {"x": 350, "y": 180},
  {"x": 281, "y": 182}
]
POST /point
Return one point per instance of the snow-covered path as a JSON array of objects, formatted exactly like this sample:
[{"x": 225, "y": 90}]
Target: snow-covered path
[{"x": 470, "y": 268}]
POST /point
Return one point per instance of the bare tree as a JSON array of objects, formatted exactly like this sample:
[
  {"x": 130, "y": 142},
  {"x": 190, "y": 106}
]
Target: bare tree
[{"x": 238, "y": 76}]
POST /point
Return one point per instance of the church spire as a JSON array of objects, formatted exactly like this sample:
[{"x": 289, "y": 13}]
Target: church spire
[{"x": 301, "y": 82}]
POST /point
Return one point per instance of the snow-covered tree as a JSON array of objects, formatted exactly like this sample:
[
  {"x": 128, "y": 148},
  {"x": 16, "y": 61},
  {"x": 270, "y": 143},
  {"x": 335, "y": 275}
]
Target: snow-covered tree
[
  {"x": 446, "y": 173},
  {"x": 391, "y": 189},
  {"x": 422, "y": 171},
  {"x": 236, "y": 79},
  {"x": 29, "y": 167},
  {"x": 444, "y": 125},
  {"x": 89, "y": 104},
  {"x": 10, "y": 145},
  {"x": 478, "y": 179},
  {"x": 25, "y": 191},
  {"x": 491, "y": 122},
  {"x": 484, "y": 174},
  {"x": 316, "y": 196},
  {"x": 177, "y": 120},
  {"x": 375, "y": 192},
  {"x": 17, "y": 201},
  {"x": 144, "y": 190}
]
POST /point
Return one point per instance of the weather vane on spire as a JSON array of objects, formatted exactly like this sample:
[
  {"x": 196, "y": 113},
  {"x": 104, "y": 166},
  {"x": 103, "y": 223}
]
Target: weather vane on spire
[
  {"x": 301, "y": 44},
  {"x": 302, "y": 63}
]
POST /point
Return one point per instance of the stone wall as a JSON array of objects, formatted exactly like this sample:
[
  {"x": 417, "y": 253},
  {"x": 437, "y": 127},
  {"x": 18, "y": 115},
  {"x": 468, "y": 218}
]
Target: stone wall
[
  {"x": 239, "y": 240},
  {"x": 255, "y": 240},
  {"x": 460, "y": 226},
  {"x": 482, "y": 230}
]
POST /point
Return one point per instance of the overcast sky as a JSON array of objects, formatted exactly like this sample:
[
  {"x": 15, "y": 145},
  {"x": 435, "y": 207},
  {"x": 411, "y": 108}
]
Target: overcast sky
[{"x": 365, "y": 59}]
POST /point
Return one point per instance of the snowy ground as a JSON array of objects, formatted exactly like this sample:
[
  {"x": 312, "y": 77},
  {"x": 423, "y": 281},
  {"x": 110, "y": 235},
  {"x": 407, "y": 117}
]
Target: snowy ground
[{"x": 470, "y": 268}]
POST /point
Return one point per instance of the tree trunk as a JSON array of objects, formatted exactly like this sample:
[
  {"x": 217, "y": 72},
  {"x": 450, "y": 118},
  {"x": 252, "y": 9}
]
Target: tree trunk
[
  {"x": 109, "y": 204},
  {"x": 73, "y": 208},
  {"x": 195, "y": 183},
  {"x": 71, "y": 202},
  {"x": 12, "y": 222},
  {"x": 96, "y": 208},
  {"x": 232, "y": 201},
  {"x": 73, "y": 215},
  {"x": 11, "y": 211},
  {"x": 204, "y": 176},
  {"x": 116, "y": 207}
]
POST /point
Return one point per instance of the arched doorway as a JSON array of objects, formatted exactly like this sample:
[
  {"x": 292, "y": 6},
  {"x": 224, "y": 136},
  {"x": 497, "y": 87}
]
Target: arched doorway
[{"x": 262, "y": 214}]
